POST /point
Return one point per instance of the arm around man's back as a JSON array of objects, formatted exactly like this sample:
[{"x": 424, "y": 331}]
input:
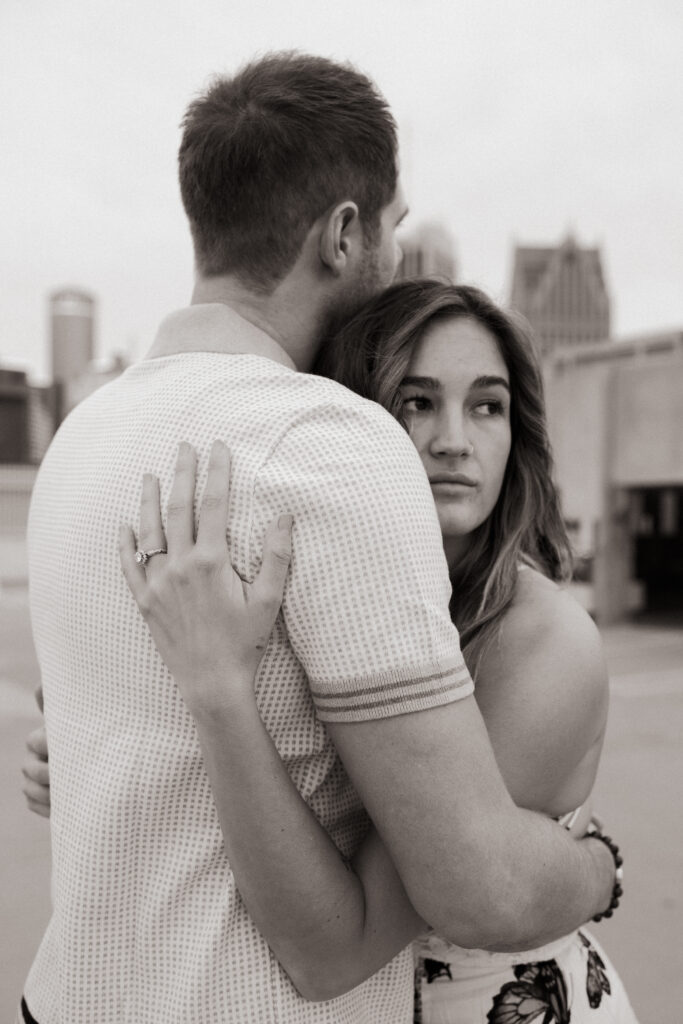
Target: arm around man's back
[
  {"x": 482, "y": 872},
  {"x": 366, "y": 609}
]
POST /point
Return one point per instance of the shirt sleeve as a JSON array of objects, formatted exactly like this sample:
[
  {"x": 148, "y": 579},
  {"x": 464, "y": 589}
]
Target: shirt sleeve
[{"x": 366, "y": 602}]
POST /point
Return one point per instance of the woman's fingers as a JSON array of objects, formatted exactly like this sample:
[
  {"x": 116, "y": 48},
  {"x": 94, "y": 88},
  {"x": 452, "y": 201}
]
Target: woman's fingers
[
  {"x": 213, "y": 511},
  {"x": 34, "y": 805},
  {"x": 269, "y": 585},
  {"x": 36, "y": 774},
  {"x": 132, "y": 569},
  {"x": 180, "y": 509},
  {"x": 36, "y": 742},
  {"x": 37, "y": 771},
  {"x": 151, "y": 537},
  {"x": 178, "y": 537}
]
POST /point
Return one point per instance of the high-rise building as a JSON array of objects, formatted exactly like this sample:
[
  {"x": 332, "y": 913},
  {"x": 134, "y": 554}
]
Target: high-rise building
[
  {"x": 429, "y": 251},
  {"x": 561, "y": 292},
  {"x": 72, "y": 320}
]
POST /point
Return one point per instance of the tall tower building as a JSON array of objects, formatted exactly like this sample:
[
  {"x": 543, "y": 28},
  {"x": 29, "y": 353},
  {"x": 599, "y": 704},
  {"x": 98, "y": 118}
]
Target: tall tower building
[
  {"x": 561, "y": 292},
  {"x": 429, "y": 251},
  {"x": 72, "y": 319}
]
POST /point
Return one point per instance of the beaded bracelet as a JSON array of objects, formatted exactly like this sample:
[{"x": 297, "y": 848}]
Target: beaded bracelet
[{"x": 594, "y": 832}]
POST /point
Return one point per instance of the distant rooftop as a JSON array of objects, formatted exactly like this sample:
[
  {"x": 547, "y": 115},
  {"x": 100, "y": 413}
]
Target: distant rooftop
[{"x": 561, "y": 292}]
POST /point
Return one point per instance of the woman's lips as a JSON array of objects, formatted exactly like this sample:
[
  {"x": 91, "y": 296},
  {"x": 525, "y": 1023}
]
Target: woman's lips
[{"x": 458, "y": 480}]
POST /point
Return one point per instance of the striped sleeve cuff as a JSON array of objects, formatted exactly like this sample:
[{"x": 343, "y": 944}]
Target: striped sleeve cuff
[{"x": 390, "y": 693}]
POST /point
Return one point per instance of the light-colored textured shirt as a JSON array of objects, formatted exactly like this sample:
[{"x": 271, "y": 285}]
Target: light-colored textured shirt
[{"x": 147, "y": 924}]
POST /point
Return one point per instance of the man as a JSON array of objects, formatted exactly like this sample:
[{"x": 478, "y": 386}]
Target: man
[{"x": 289, "y": 180}]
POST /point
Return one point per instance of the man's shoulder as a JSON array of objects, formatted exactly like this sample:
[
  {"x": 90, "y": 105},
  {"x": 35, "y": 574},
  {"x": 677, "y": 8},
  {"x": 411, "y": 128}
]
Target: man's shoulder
[
  {"x": 322, "y": 391},
  {"x": 330, "y": 408},
  {"x": 337, "y": 448}
]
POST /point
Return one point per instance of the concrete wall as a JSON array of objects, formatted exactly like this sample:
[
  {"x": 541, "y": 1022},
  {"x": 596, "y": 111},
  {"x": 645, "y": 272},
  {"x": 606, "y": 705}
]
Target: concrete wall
[
  {"x": 648, "y": 426},
  {"x": 616, "y": 424},
  {"x": 576, "y": 397}
]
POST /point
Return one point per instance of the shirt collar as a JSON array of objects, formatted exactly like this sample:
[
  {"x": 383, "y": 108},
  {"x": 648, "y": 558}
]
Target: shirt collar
[{"x": 215, "y": 327}]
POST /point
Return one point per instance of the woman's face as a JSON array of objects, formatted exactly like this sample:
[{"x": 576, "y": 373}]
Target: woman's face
[{"x": 456, "y": 406}]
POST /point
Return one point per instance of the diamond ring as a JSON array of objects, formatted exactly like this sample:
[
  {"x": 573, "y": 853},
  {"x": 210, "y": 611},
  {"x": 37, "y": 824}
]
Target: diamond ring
[{"x": 143, "y": 557}]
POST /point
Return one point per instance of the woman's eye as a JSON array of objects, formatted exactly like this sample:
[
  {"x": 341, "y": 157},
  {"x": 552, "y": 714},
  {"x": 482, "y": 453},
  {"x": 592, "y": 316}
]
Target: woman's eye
[
  {"x": 492, "y": 407},
  {"x": 416, "y": 403}
]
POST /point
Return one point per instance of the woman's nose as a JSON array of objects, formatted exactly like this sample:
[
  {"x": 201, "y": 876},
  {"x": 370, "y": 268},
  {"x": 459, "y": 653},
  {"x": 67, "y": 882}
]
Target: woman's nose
[{"x": 451, "y": 438}]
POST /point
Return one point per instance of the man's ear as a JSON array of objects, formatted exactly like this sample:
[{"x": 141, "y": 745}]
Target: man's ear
[{"x": 341, "y": 237}]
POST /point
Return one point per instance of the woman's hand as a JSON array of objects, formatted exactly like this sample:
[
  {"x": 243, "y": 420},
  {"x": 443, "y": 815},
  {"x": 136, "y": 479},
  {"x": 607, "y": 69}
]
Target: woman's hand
[
  {"x": 580, "y": 819},
  {"x": 35, "y": 768},
  {"x": 209, "y": 626}
]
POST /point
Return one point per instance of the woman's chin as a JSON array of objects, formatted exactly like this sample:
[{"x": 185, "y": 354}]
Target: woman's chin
[{"x": 455, "y": 525}]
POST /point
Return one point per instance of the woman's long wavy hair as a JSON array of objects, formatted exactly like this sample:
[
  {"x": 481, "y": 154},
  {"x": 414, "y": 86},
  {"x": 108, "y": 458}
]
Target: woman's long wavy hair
[{"x": 370, "y": 355}]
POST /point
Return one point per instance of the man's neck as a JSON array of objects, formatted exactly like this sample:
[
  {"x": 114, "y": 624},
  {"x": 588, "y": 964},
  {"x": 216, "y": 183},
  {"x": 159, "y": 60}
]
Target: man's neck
[
  {"x": 228, "y": 292},
  {"x": 282, "y": 314}
]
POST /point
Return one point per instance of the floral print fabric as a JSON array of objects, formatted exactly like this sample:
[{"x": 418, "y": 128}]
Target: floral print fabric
[{"x": 576, "y": 986}]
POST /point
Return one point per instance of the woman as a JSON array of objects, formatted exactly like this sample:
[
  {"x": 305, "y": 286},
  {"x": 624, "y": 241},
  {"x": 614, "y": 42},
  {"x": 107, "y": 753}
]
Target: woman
[{"x": 460, "y": 375}]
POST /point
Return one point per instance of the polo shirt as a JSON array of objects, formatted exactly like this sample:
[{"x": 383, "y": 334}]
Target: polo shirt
[{"x": 147, "y": 923}]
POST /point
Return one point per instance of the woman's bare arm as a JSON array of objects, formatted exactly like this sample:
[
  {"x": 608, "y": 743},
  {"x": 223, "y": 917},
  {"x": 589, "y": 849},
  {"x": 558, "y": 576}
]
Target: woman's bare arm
[{"x": 330, "y": 924}]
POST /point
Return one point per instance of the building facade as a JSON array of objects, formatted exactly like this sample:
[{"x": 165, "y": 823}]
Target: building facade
[
  {"x": 27, "y": 418},
  {"x": 27, "y": 424},
  {"x": 616, "y": 424},
  {"x": 561, "y": 292},
  {"x": 14, "y": 429}
]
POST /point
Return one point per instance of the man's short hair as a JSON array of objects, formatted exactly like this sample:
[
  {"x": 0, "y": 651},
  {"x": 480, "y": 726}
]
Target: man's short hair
[{"x": 265, "y": 153}]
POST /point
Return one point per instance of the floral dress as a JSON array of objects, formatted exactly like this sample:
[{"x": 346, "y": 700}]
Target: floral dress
[{"x": 569, "y": 981}]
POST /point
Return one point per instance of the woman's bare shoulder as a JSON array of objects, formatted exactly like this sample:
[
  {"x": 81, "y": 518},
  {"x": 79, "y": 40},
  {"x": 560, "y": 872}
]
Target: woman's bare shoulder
[
  {"x": 545, "y": 613},
  {"x": 542, "y": 687},
  {"x": 548, "y": 649}
]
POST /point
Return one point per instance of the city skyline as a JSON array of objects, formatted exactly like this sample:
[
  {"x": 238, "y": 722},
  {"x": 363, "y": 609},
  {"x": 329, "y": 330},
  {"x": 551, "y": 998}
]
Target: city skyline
[
  {"x": 518, "y": 124},
  {"x": 416, "y": 239}
]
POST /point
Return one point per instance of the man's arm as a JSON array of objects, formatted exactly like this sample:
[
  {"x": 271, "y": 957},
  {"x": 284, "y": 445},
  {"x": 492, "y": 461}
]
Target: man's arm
[
  {"x": 483, "y": 872},
  {"x": 366, "y": 613}
]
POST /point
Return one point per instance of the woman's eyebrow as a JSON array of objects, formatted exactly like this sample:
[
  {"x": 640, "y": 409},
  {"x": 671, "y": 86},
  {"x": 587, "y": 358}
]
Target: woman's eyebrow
[
  {"x": 490, "y": 382},
  {"x": 421, "y": 382}
]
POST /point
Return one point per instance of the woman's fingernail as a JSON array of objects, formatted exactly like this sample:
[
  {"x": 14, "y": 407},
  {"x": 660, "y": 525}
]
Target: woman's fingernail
[{"x": 285, "y": 522}]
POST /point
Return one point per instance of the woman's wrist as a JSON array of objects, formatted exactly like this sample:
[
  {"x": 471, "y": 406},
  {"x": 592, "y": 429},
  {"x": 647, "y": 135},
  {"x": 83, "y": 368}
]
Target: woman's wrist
[
  {"x": 219, "y": 701},
  {"x": 607, "y": 856},
  {"x": 595, "y": 832}
]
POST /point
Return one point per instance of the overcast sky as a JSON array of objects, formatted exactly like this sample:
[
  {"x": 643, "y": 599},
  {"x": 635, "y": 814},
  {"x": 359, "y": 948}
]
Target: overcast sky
[{"x": 519, "y": 119}]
